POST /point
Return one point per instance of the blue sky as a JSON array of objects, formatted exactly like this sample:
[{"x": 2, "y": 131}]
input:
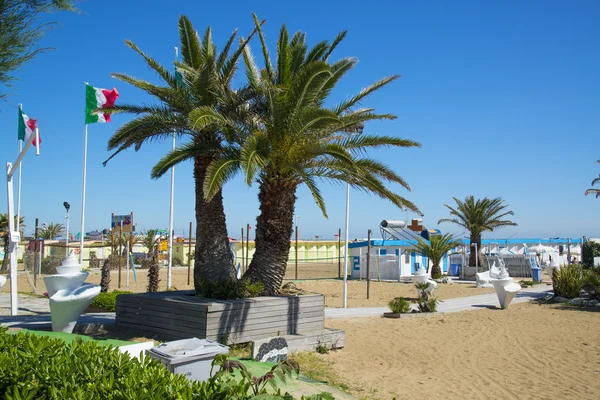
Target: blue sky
[{"x": 503, "y": 97}]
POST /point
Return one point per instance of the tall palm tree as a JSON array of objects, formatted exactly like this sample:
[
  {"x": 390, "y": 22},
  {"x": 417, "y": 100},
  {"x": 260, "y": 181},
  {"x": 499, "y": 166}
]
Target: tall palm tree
[
  {"x": 290, "y": 139},
  {"x": 594, "y": 190},
  {"x": 51, "y": 231},
  {"x": 203, "y": 80},
  {"x": 5, "y": 238},
  {"x": 435, "y": 249},
  {"x": 478, "y": 216}
]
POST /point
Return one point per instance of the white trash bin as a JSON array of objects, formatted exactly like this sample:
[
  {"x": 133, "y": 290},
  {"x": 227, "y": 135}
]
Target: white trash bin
[{"x": 190, "y": 357}]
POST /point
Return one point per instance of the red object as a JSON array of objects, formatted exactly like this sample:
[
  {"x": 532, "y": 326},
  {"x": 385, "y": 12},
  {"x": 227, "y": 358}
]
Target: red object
[
  {"x": 111, "y": 97},
  {"x": 336, "y": 235}
]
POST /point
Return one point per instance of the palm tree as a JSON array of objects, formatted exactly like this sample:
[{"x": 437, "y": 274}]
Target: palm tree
[
  {"x": 478, "y": 216},
  {"x": 290, "y": 139},
  {"x": 150, "y": 241},
  {"x": 51, "y": 231},
  {"x": 593, "y": 190},
  {"x": 203, "y": 80},
  {"x": 5, "y": 238},
  {"x": 435, "y": 249}
]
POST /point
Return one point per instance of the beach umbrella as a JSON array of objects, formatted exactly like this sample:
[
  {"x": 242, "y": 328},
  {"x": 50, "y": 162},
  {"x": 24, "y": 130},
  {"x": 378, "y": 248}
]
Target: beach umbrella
[{"x": 576, "y": 250}]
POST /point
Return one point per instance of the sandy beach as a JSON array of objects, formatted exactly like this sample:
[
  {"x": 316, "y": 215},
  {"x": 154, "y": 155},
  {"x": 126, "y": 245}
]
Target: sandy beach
[{"x": 529, "y": 351}]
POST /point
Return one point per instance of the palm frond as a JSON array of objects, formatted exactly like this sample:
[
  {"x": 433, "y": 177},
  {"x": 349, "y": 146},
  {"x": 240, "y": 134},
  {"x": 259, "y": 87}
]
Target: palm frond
[{"x": 191, "y": 46}]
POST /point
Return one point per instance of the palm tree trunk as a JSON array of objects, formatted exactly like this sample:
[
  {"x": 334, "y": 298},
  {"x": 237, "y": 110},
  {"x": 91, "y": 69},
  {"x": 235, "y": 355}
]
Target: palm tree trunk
[
  {"x": 6, "y": 257},
  {"x": 475, "y": 238},
  {"x": 436, "y": 271},
  {"x": 273, "y": 232},
  {"x": 213, "y": 259}
]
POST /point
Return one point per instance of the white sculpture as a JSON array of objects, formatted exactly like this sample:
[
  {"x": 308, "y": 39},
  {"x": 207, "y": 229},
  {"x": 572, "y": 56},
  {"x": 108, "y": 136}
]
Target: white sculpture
[
  {"x": 69, "y": 295},
  {"x": 421, "y": 276},
  {"x": 2, "y": 282},
  {"x": 482, "y": 279},
  {"x": 506, "y": 288}
]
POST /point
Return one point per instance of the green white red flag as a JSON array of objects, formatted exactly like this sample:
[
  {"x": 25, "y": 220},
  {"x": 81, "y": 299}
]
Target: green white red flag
[
  {"x": 96, "y": 98},
  {"x": 27, "y": 128}
]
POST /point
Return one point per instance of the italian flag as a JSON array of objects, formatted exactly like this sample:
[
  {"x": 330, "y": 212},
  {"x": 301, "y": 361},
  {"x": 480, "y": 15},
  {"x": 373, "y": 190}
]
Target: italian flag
[
  {"x": 27, "y": 128},
  {"x": 96, "y": 98}
]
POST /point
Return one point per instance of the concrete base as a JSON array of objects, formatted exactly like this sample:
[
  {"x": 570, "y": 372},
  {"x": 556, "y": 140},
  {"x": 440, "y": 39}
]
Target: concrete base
[
  {"x": 67, "y": 305},
  {"x": 330, "y": 338}
]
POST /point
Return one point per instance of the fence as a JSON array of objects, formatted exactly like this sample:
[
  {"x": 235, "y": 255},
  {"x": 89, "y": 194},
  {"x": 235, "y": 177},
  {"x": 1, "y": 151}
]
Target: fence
[{"x": 518, "y": 265}]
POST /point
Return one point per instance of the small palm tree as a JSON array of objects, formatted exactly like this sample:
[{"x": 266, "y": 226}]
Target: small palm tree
[
  {"x": 435, "y": 249},
  {"x": 150, "y": 241},
  {"x": 206, "y": 76},
  {"x": 51, "y": 231},
  {"x": 291, "y": 138},
  {"x": 478, "y": 216},
  {"x": 592, "y": 190},
  {"x": 5, "y": 238}
]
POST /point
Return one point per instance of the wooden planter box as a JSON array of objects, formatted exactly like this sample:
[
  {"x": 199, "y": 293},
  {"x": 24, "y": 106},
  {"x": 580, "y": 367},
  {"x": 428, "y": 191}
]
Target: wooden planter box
[{"x": 178, "y": 315}]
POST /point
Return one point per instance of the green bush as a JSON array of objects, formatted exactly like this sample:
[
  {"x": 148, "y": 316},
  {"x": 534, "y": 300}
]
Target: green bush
[
  {"x": 588, "y": 252},
  {"x": 108, "y": 301},
  {"x": 426, "y": 301},
  {"x": 399, "y": 305},
  {"x": 176, "y": 262},
  {"x": 591, "y": 281},
  {"x": 94, "y": 262},
  {"x": 41, "y": 367},
  {"x": 229, "y": 289},
  {"x": 568, "y": 281}
]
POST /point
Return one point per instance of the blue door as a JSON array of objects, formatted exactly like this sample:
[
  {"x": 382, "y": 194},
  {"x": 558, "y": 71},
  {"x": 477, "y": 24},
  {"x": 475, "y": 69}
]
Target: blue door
[
  {"x": 382, "y": 252},
  {"x": 413, "y": 260},
  {"x": 424, "y": 261},
  {"x": 445, "y": 264}
]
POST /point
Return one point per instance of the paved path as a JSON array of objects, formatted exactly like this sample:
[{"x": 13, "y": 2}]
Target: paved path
[
  {"x": 451, "y": 305},
  {"x": 35, "y": 311}
]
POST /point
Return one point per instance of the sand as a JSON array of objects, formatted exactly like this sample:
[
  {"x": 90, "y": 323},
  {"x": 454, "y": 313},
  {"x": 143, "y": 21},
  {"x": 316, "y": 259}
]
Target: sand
[
  {"x": 382, "y": 292},
  {"x": 529, "y": 351}
]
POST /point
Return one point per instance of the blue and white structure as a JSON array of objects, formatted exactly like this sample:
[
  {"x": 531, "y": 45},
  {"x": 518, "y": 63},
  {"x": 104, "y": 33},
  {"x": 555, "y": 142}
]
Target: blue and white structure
[{"x": 394, "y": 258}]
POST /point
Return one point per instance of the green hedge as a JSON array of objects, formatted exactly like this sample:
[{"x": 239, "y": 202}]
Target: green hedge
[
  {"x": 40, "y": 367},
  {"x": 589, "y": 251},
  {"x": 108, "y": 301}
]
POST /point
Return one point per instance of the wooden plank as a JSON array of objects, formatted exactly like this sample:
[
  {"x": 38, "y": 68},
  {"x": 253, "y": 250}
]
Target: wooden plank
[
  {"x": 264, "y": 302},
  {"x": 251, "y": 314},
  {"x": 151, "y": 308},
  {"x": 123, "y": 311},
  {"x": 244, "y": 337},
  {"x": 162, "y": 320},
  {"x": 144, "y": 322},
  {"x": 191, "y": 304},
  {"x": 282, "y": 325},
  {"x": 162, "y": 333},
  {"x": 266, "y": 318}
]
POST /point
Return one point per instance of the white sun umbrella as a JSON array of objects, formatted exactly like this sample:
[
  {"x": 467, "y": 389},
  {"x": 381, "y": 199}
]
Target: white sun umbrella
[{"x": 539, "y": 249}]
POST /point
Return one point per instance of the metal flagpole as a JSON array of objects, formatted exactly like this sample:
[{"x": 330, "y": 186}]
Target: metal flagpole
[
  {"x": 346, "y": 246},
  {"x": 170, "y": 249},
  {"x": 18, "y": 223},
  {"x": 82, "y": 228}
]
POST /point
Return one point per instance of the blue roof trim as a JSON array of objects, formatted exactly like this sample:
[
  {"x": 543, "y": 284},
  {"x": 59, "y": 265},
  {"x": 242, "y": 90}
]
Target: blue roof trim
[{"x": 409, "y": 243}]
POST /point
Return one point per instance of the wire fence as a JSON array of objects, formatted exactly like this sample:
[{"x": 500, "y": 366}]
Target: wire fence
[{"x": 315, "y": 268}]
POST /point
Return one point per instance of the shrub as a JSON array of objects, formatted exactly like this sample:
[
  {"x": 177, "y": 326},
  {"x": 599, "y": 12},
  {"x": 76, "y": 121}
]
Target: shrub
[
  {"x": 107, "y": 301},
  {"x": 588, "y": 252},
  {"x": 567, "y": 281},
  {"x": 426, "y": 301},
  {"x": 229, "y": 289},
  {"x": 94, "y": 262},
  {"x": 176, "y": 262},
  {"x": 40, "y": 367},
  {"x": 399, "y": 305},
  {"x": 591, "y": 281}
]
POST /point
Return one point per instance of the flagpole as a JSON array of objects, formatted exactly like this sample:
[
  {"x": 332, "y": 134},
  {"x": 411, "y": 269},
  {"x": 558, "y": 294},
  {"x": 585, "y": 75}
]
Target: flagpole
[
  {"x": 82, "y": 228},
  {"x": 19, "y": 182},
  {"x": 170, "y": 249}
]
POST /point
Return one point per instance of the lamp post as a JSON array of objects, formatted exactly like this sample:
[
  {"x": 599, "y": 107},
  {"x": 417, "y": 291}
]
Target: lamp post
[
  {"x": 355, "y": 130},
  {"x": 67, "y": 207}
]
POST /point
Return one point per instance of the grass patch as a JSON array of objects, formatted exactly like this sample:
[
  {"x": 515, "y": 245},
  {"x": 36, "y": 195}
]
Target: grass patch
[{"x": 242, "y": 351}]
